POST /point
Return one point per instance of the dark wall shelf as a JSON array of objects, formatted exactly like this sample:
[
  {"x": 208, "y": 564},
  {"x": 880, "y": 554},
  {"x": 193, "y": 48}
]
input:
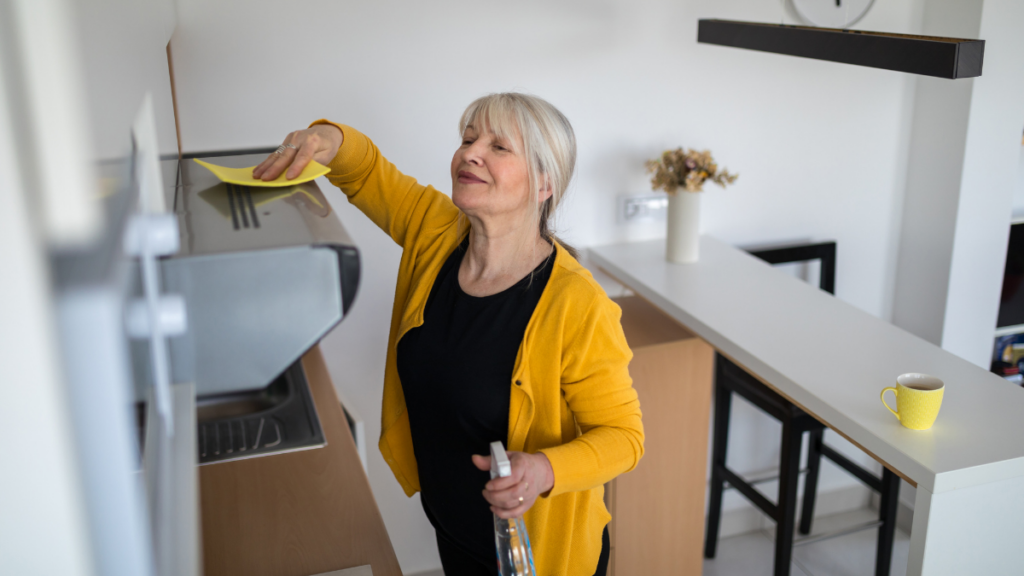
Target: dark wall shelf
[{"x": 926, "y": 55}]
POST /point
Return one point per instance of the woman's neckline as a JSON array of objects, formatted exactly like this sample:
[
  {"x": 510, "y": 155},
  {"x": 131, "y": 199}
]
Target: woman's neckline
[{"x": 464, "y": 247}]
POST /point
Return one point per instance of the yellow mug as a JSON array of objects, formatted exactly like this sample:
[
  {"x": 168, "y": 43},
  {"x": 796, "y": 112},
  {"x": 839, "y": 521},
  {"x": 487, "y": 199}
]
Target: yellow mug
[{"x": 918, "y": 398}]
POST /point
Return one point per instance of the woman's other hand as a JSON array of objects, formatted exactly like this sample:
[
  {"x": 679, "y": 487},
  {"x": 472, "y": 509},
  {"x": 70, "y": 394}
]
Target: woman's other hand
[
  {"x": 320, "y": 143},
  {"x": 513, "y": 495}
]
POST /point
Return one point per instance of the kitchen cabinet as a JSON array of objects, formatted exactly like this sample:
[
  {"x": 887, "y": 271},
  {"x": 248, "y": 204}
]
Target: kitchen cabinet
[{"x": 299, "y": 513}]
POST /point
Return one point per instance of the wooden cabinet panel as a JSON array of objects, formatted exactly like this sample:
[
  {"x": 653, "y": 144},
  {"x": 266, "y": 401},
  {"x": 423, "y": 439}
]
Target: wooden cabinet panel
[{"x": 658, "y": 509}]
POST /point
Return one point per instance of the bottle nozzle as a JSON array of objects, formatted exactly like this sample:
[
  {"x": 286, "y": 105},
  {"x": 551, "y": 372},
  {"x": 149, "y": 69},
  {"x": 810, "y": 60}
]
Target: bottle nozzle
[{"x": 500, "y": 465}]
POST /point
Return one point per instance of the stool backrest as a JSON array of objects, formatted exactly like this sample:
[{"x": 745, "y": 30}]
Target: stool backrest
[{"x": 824, "y": 251}]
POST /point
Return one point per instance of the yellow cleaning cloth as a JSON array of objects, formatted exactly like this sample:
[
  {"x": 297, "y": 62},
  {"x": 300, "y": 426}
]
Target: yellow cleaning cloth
[{"x": 243, "y": 176}]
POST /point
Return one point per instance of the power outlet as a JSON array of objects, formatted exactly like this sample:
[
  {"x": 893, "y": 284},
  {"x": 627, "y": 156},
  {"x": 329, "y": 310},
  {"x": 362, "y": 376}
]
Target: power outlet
[{"x": 642, "y": 208}]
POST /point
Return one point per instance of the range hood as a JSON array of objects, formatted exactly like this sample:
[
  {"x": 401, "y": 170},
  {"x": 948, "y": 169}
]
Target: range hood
[{"x": 266, "y": 273}]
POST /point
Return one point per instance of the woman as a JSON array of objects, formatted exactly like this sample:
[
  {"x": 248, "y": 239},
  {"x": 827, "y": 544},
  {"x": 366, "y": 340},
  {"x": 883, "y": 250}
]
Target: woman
[{"x": 497, "y": 333}]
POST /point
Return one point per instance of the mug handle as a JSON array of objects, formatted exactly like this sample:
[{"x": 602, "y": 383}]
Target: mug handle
[{"x": 894, "y": 393}]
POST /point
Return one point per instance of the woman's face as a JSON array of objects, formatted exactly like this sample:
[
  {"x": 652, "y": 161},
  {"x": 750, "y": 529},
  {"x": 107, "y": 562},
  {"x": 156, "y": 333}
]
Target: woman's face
[{"x": 489, "y": 177}]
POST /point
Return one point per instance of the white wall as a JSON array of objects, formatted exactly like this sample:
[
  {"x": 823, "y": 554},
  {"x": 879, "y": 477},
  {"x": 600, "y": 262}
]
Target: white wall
[
  {"x": 984, "y": 209},
  {"x": 821, "y": 147},
  {"x": 123, "y": 52},
  {"x": 1018, "y": 189},
  {"x": 938, "y": 133},
  {"x": 962, "y": 173}
]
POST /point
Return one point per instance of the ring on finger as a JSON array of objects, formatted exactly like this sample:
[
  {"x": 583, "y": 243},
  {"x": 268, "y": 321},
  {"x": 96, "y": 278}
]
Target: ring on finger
[{"x": 280, "y": 149}]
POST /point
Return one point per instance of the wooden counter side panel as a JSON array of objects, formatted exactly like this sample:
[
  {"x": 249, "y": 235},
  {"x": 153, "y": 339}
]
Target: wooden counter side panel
[
  {"x": 658, "y": 508},
  {"x": 295, "y": 514}
]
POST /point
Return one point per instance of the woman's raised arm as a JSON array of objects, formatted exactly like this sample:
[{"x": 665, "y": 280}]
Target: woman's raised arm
[{"x": 395, "y": 202}]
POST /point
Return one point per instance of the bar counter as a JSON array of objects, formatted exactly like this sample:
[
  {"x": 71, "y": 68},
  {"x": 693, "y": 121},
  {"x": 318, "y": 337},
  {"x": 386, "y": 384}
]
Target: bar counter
[{"x": 833, "y": 360}]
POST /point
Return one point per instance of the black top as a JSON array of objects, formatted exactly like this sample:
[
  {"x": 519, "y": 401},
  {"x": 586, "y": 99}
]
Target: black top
[{"x": 456, "y": 373}]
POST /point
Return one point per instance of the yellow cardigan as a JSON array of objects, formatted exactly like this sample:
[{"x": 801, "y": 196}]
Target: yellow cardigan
[{"x": 571, "y": 394}]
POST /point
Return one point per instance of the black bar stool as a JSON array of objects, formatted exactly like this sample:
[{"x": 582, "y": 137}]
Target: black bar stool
[{"x": 729, "y": 379}]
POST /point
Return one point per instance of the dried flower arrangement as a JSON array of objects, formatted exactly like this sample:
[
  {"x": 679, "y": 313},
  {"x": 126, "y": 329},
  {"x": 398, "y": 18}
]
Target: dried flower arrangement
[{"x": 688, "y": 170}]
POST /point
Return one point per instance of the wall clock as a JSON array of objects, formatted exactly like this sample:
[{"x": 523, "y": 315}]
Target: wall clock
[{"x": 832, "y": 13}]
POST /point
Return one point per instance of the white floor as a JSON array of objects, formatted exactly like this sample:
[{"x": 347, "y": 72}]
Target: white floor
[
  {"x": 753, "y": 554},
  {"x": 851, "y": 555}
]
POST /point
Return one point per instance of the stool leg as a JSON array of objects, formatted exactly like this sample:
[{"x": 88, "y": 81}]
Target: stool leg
[
  {"x": 723, "y": 401},
  {"x": 811, "y": 481},
  {"x": 789, "y": 478},
  {"x": 887, "y": 514}
]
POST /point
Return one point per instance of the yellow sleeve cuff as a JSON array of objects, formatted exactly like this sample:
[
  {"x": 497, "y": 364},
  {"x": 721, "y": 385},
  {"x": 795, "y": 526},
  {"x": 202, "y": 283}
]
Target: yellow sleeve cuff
[
  {"x": 351, "y": 156},
  {"x": 564, "y": 461}
]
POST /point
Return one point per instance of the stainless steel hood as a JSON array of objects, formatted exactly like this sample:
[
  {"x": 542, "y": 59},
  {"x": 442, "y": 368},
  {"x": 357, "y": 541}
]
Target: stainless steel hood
[{"x": 266, "y": 273}]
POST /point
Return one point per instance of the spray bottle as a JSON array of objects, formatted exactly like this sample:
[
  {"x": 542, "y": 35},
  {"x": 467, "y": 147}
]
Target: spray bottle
[{"x": 515, "y": 557}]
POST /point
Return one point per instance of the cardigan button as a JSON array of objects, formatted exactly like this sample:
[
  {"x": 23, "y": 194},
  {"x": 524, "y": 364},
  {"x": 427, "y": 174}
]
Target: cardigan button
[{"x": 519, "y": 383}]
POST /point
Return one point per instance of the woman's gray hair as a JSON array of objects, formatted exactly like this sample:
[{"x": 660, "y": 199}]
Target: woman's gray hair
[{"x": 547, "y": 138}]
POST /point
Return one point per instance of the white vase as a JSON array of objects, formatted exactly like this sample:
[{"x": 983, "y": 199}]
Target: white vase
[{"x": 682, "y": 242}]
